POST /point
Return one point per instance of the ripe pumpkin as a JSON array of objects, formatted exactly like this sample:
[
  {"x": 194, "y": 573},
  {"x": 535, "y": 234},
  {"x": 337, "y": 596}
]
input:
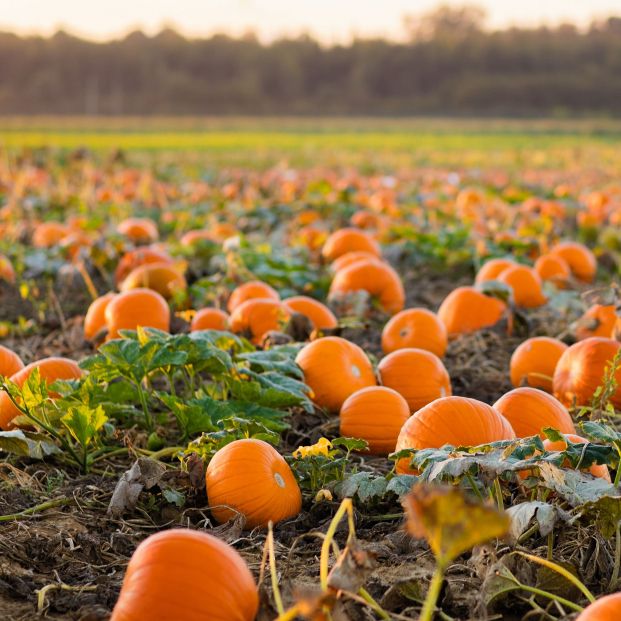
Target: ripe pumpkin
[
  {"x": 319, "y": 314},
  {"x": 459, "y": 421},
  {"x": 334, "y": 369},
  {"x": 606, "y": 608},
  {"x": 581, "y": 370},
  {"x": 530, "y": 410},
  {"x": 48, "y": 234},
  {"x": 581, "y": 260},
  {"x": 255, "y": 317},
  {"x": 164, "y": 278},
  {"x": 375, "y": 414},
  {"x": 417, "y": 375},
  {"x": 209, "y": 319},
  {"x": 533, "y": 362},
  {"x": 365, "y": 219},
  {"x": 491, "y": 269},
  {"x": 597, "y": 470},
  {"x": 466, "y": 309},
  {"x": 138, "y": 307},
  {"x": 598, "y": 320},
  {"x": 196, "y": 236},
  {"x": 137, "y": 257},
  {"x": 553, "y": 268},
  {"x": 188, "y": 573},
  {"x": 250, "y": 477},
  {"x": 525, "y": 284},
  {"x": 379, "y": 279},
  {"x": 6, "y": 269},
  {"x": 348, "y": 258},
  {"x": 10, "y": 362},
  {"x": 138, "y": 230},
  {"x": 50, "y": 369},
  {"x": 249, "y": 291},
  {"x": 347, "y": 240},
  {"x": 415, "y": 327},
  {"x": 95, "y": 318}
]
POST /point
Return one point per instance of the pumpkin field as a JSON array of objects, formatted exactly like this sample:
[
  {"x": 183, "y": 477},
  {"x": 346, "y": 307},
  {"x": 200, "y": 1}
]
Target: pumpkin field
[{"x": 310, "y": 371}]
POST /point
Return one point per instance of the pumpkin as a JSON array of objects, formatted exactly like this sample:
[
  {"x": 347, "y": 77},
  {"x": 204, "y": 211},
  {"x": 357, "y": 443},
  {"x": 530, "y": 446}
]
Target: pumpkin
[
  {"x": 209, "y": 319},
  {"x": 334, "y": 369},
  {"x": 365, "y": 219},
  {"x": 95, "y": 318},
  {"x": 534, "y": 361},
  {"x": 580, "y": 259},
  {"x": 375, "y": 414},
  {"x": 255, "y": 317},
  {"x": 347, "y": 240},
  {"x": 491, "y": 269},
  {"x": 50, "y": 369},
  {"x": 249, "y": 291},
  {"x": 458, "y": 421},
  {"x": 318, "y": 314},
  {"x": 553, "y": 268},
  {"x": 164, "y": 278},
  {"x": 189, "y": 574},
  {"x": 137, "y": 307},
  {"x": 48, "y": 234},
  {"x": 379, "y": 279},
  {"x": 250, "y": 477},
  {"x": 525, "y": 284},
  {"x": 415, "y": 327},
  {"x": 466, "y": 309},
  {"x": 192, "y": 238},
  {"x": 417, "y": 375},
  {"x": 581, "y": 370},
  {"x": 348, "y": 258},
  {"x": 598, "y": 320},
  {"x": 137, "y": 257},
  {"x": 10, "y": 362},
  {"x": 138, "y": 230},
  {"x": 606, "y": 608},
  {"x": 599, "y": 471},
  {"x": 530, "y": 410},
  {"x": 6, "y": 269}
]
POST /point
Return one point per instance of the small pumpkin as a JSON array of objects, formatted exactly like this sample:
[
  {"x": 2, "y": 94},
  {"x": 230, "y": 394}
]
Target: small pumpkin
[
  {"x": 334, "y": 369},
  {"x": 581, "y": 260},
  {"x": 137, "y": 307},
  {"x": 607, "y": 608},
  {"x": 7, "y": 272},
  {"x": 10, "y": 362},
  {"x": 209, "y": 319},
  {"x": 598, "y": 320},
  {"x": 250, "y": 477},
  {"x": 534, "y": 361},
  {"x": 319, "y": 314},
  {"x": 415, "y": 327},
  {"x": 138, "y": 230},
  {"x": 525, "y": 284},
  {"x": 188, "y": 573},
  {"x": 347, "y": 240},
  {"x": 256, "y": 317},
  {"x": 192, "y": 238},
  {"x": 599, "y": 471},
  {"x": 95, "y": 318},
  {"x": 165, "y": 278},
  {"x": 491, "y": 269},
  {"x": 554, "y": 269},
  {"x": 48, "y": 234},
  {"x": 417, "y": 375},
  {"x": 249, "y": 291},
  {"x": 530, "y": 411},
  {"x": 137, "y": 257},
  {"x": 375, "y": 414}
]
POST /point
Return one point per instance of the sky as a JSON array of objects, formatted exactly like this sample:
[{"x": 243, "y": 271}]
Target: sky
[{"x": 329, "y": 20}]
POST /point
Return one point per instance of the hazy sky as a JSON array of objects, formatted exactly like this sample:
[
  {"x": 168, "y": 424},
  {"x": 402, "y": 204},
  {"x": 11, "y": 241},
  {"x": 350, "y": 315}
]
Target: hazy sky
[{"x": 332, "y": 20}]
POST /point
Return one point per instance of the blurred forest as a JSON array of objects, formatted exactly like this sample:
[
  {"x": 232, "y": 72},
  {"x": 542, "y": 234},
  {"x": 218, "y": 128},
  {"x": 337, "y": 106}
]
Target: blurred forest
[{"x": 448, "y": 64}]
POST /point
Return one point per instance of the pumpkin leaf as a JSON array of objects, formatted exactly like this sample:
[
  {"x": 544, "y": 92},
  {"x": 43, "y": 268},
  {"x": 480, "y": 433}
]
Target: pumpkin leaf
[
  {"x": 84, "y": 423},
  {"x": 364, "y": 485},
  {"x": 522, "y": 514},
  {"x": 351, "y": 444},
  {"x": 402, "y": 484},
  {"x": 27, "y": 444},
  {"x": 605, "y": 512}
]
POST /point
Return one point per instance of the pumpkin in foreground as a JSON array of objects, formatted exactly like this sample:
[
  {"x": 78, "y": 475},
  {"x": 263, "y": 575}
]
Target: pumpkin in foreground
[
  {"x": 189, "y": 575},
  {"x": 597, "y": 470},
  {"x": 606, "y": 608}
]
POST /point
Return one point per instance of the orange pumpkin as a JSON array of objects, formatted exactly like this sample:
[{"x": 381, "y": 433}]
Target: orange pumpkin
[
  {"x": 597, "y": 470},
  {"x": 347, "y": 240},
  {"x": 209, "y": 319},
  {"x": 581, "y": 260},
  {"x": 95, "y": 318},
  {"x": 334, "y": 369},
  {"x": 530, "y": 410},
  {"x": 458, "y": 421},
  {"x": 534, "y": 361},
  {"x": 491, "y": 269},
  {"x": 466, "y": 309},
  {"x": 345, "y": 260},
  {"x": 581, "y": 370},
  {"x": 10, "y": 362},
  {"x": 189, "y": 573},
  {"x": 318, "y": 314},
  {"x": 249, "y": 291},
  {"x": 138, "y": 307},
  {"x": 196, "y": 236},
  {"x": 251, "y": 478},
  {"x": 255, "y": 317},
  {"x": 598, "y": 320},
  {"x": 48, "y": 234},
  {"x": 365, "y": 219},
  {"x": 415, "y": 327},
  {"x": 553, "y": 268},
  {"x": 606, "y": 608},
  {"x": 164, "y": 278},
  {"x": 375, "y": 414},
  {"x": 380, "y": 280},
  {"x": 138, "y": 230},
  {"x": 525, "y": 284},
  {"x": 417, "y": 375},
  {"x": 6, "y": 269},
  {"x": 137, "y": 257},
  {"x": 50, "y": 370}
]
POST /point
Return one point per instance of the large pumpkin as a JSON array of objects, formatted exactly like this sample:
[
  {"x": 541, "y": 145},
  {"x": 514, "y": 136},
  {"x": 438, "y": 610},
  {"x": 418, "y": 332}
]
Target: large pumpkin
[
  {"x": 347, "y": 240},
  {"x": 530, "y": 410},
  {"x": 582, "y": 369},
  {"x": 417, "y": 375},
  {"x": 525, "y": 284},
  {"x": 10, "y": 362},
  {"x": 137, "y": 307},
  {"x": 334, "y": 369},
  {"x": 606, "y": 608},
  {"x": 250, "y": 477},
  {"x": 249, "y": 291},
  {"x": 459, "y": 421},
  {"x": 256, "y": 317},
  {"x": 186, "y": 574},
  {"x": 580, "y": 259},
  {"x": 534, "y": 361},
  {"x": 597, "y": 470},
  {"x": 598, "y": 320},
  {"x": 375, "y": 414},
  {"x": 318, "y": 314},
  {"x": 415, "y": 327},
  {"x": 163, "y": 277},
  {"x": 491, "y": 269}
]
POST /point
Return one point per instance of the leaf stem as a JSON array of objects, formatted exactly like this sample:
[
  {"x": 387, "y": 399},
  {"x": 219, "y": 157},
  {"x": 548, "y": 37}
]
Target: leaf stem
[
  {"x": 433, "y": 593},
  {"x": 48, "y": 504}
]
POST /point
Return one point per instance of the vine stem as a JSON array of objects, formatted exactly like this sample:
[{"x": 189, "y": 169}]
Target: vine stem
[
  {"x": 556, "y": 598},
  {"x": 273, "y": 573},
  {"x": 48, "y": 504},
  {"x": 429, "y": 607}
]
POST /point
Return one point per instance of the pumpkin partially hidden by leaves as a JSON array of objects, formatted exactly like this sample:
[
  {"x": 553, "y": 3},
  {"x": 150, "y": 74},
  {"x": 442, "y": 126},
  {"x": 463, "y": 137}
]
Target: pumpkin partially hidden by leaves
[
  {"x": 581, "y": 260},
  {"x": 415, "y": 327},
  {"x": 534, "y": 361},
  {"x": 10, "y": 362},
  {"x": 256, "y": 317},
  {"x": 318, "y": 314},
  {"x": 458, "y": 421},
  {"x": 606, "y": 608},
  {"x": 348, "y": 240},
  {"x": 597, "y": 470},
  {"x": 249, "y": 291},
  {"x": 137, "y": 257},
  {"x": 138, "y": 307},
  {"x": 583, "y": 368},
  {"x": 530, "y": 411},
  {"x": 334, "y": 369},
  {"x": 251, "y": 478},
  {"x": 95, "y": 318},
  {"x": 375, "y": 414},
  {"x": 209, "y": 319},
  {"x": 186, "y": 574}
]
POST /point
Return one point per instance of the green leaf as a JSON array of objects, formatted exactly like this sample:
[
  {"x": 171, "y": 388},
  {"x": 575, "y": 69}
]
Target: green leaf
[
  {"x": 402, "y": 484},
  {"x": 364, "y": 485},
  {"x": 174, "y": 497},
  {"x": 84, "y": 423},
  {"x": 351, "y": 444},
  {"x": 27, "y": 444}
]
